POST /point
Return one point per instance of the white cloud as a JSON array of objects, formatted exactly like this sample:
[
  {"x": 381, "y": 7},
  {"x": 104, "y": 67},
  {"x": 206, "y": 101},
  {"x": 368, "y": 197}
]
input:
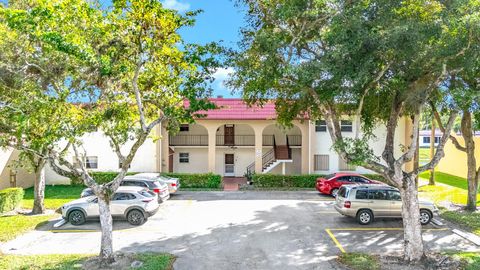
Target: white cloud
[
  {"x": 174, "y": 4},
  {"x": 220, "y": 76}
]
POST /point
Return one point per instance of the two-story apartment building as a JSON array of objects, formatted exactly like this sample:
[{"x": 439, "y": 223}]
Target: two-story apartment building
[{"x": 236, "y": 139}]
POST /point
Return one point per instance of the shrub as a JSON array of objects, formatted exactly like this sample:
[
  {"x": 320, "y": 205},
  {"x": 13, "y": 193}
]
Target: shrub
[
  {"x": 102, "y": 177},
  {"x": 377, "y": 177},
  {"x": 285, "y": 181},
  {"x": 10, "y": 199},
  {"x": 197, "y": 180}
]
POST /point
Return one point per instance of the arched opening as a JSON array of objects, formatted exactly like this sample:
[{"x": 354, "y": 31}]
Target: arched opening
[
  {"x": 234, "y": 149},
  {"x": 235, "y": 135},
  {"x": 282, "y": 151},
  {"x": 187, "y": 149}
]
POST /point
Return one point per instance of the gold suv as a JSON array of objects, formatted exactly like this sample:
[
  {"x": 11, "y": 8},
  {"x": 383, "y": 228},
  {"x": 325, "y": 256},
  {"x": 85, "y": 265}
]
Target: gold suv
[{"x": 366, "y": 202}]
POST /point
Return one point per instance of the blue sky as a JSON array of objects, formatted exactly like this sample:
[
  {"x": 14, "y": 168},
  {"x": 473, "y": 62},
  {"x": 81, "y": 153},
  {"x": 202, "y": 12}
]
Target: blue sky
[{"x": 220, "y": 21}]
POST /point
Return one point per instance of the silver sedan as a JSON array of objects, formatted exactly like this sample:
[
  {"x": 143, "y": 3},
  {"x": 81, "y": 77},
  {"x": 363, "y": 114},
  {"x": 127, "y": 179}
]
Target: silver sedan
[{"x": 173, "y": 183}]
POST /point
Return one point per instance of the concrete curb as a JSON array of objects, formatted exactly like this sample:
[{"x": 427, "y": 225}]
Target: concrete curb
[{"x": 469, "y": 236}]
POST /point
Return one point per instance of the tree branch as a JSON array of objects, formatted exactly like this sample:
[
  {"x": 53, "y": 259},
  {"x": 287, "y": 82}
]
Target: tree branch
[
  {"x": 439, "y": 153},
  {"x": 440, "y": 125}
]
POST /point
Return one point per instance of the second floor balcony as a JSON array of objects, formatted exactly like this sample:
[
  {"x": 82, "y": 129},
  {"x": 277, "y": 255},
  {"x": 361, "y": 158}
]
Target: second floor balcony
[{"x": 229, "y": 140}]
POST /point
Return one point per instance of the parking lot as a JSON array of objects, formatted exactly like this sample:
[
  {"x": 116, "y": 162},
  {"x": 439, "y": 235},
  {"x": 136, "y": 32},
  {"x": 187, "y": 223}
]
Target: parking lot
[{"x": 241, "y": 230}]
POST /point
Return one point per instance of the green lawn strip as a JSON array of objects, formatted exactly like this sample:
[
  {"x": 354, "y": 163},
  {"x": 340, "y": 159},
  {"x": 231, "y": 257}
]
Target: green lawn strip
[
  {"x": 441, "y": 193},
  {"x": 471, "y": 260},
  {"x": 12, "y": 226},
  {"x": 469, "y": 220},
  {"x": 55, "y": 196},
  {"x": 150, "y": 261},
  {"x": 447, "y": 179},
  {"x": 359, "y": 261}
]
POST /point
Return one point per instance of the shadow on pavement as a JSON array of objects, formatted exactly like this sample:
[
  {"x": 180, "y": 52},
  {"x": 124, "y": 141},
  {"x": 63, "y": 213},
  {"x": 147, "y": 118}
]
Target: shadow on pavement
[{"x": 250, "y": 195}]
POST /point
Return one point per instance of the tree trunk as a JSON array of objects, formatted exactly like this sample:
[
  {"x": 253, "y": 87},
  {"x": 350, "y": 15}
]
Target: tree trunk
[
  {"x": 106, "y": 246},
  {"x": 467, "y": 133},
  {"x": 431, "y": 181},
  {"x": 472, "y": 182},
  {"x": 413, "y": 242},
  {"x": 39, "y": 189}
]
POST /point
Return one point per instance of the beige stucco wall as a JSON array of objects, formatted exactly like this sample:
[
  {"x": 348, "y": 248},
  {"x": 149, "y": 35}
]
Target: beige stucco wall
[
  {"x": 455, "y": 161},
  {"x": 23, "y": 177}
]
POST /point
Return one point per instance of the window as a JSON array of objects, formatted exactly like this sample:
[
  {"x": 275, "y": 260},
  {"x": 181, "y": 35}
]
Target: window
[
  {"x": 437, "y": 140},
  {"x": 321, "y": 163},
  {"x": 344, "y": 179},
  {"x": 358, "y": 179},
  {"x": 184, "y": 127},
  {"x": 134, "y": 184},
  {"x": 343, "y": 192},
  {"x": 91, "y": 162},
  {"x": 361, "y": 194},
  {"x": 343, "y": 166},
  {"x": 123, "y": 196},
  {"x": 320, "y": 126},
  {"x": 394, "y": 195},
  {"x": 426, "y": 139},
  {"x": 184, "y": 158},
  {"x": 378, "y": 194},
  {"x": 346, "y": 126}
]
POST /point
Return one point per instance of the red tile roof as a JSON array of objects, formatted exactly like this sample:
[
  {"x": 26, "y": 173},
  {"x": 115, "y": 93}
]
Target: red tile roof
[{"x": 236, "y": 109}]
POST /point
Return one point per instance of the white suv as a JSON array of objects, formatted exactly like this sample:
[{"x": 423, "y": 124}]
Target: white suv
[{"x": 135, "y": 204}]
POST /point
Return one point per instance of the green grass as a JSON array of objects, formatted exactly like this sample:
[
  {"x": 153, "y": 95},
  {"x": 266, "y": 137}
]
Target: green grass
[
  {"x": 55, "y": 196},
  {"x": 469, "y": 220},
  {"x": 454, "y": 189},
  {"x": 441, "y": 193},
  {"x": 359, "y": 261},
  {"x": 447, "y": 179},
  {"x": 424, "y": 155},
  {"x": 12, "y": 226},
  {"x": 471, "y": 260},
  {"x": 151, "y": 261}
]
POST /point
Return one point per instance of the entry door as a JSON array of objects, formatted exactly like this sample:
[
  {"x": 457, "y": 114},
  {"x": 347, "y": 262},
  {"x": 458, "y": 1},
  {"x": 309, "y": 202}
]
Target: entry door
[
  {"x": 229, "y": 165},
  {"x": 229, "y": 135}
]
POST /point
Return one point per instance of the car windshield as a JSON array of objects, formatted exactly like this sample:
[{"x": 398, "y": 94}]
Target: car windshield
[
  {"x": 147, "y": 194},
  {"x": 157, "y": 184}
]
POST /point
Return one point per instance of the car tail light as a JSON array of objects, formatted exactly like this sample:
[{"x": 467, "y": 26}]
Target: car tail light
[
  {"x": 147, "y": 200},
  {"x": 347, "y": 204},
  {"x": 156, "y": 190},
  {"x": 173, "y": 184}
]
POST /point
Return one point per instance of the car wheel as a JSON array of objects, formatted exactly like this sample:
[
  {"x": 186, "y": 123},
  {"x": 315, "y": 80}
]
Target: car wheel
[
  {"x": 425, "y": 217},
  {"x": 135, "y": 217},
  {"x": 76, "y": 217},
  {"x": 334, "y": 192},
  {"x": 364, "y": 217}
]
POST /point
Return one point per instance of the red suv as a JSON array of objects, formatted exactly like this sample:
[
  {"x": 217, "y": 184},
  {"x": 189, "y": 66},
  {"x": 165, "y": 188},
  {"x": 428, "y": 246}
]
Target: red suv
[{"x": 331, "y": 183}]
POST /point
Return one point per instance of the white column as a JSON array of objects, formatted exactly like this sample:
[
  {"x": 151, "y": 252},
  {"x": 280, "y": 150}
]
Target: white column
[
  {"x": 212, "y": 134},
  {"x": 258, "y": 150}
]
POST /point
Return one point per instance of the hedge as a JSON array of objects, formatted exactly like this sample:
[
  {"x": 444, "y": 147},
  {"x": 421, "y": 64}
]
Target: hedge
[
  {"x": 197, "y": 180},
  {"x": 297, "y": 181},
  {"x": 284, "y": 181},
  {"x": 10, "y": 199},
  {"x": 104, "y": 177}
]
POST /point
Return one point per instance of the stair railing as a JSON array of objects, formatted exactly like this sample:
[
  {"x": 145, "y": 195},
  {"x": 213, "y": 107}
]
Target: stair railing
[
  {"x": 289, "y": 150},
  {"x": 268, "y": 157}
]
